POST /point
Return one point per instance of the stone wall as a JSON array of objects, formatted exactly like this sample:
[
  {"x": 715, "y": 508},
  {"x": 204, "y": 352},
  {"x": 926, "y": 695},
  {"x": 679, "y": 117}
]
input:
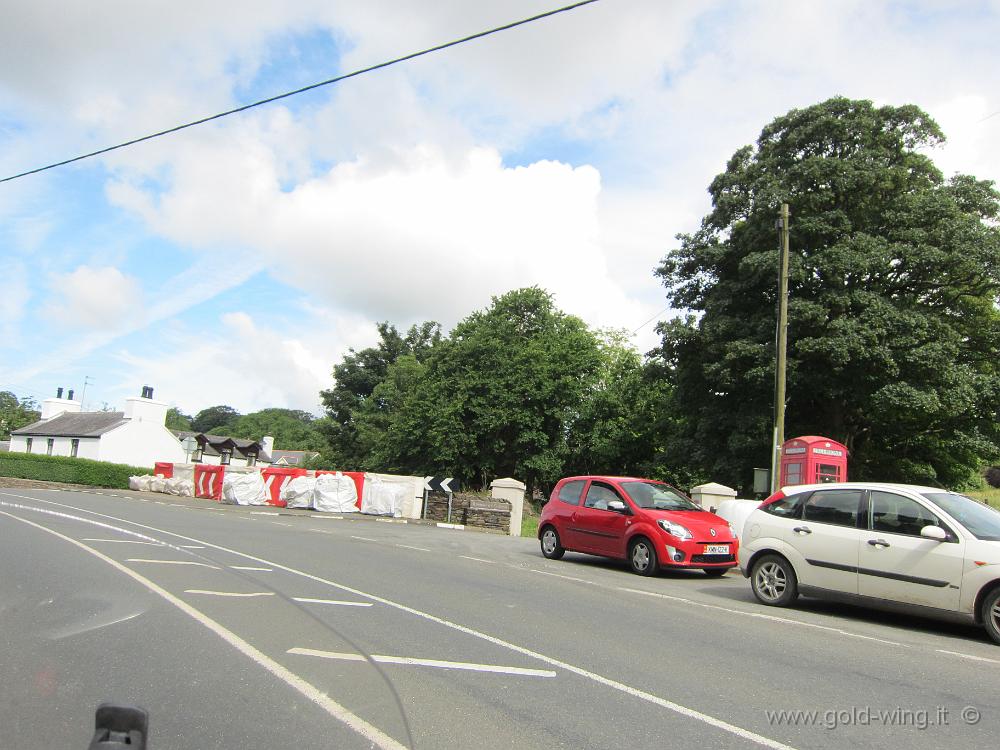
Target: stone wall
[{"x": 470, "y": 510}]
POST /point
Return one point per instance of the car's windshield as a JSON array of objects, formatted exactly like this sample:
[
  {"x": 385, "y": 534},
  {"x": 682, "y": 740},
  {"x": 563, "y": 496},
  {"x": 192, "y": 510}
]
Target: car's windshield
[
  {"x": 981, "y": 520},
  {"x": 656, "y": 496}
]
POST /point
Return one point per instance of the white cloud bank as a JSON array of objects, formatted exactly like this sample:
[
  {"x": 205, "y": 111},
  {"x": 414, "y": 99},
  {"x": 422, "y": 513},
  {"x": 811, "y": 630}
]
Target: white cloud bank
[{"x": 95, "y": 298}]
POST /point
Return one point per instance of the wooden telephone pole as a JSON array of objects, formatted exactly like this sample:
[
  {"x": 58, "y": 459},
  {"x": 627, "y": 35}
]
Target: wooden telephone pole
[{"x": 782, "y": 347}]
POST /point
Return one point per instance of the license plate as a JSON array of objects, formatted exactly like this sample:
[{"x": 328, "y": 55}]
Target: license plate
[{"x": 717, "y": 549}]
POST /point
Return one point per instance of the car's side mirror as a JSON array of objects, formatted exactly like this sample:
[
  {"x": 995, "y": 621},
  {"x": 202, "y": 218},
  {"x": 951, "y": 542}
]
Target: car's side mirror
[
  {"x": 934, "y": 532},
  {"x": 617, "y": 506}
]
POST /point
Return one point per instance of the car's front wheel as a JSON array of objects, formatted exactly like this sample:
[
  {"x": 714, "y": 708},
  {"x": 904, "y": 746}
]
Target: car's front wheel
[
  {"x": 773, "y": 581},
  {"x": 991, "y": 614},
  {"x": 642, "y": 558},
  {"x": 551, "y": 547}
]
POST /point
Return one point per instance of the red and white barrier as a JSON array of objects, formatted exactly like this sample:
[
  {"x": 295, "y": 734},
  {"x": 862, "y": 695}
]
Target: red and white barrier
[
  {"x": 275, "y": 478},
  {"x": 208, "y": 481},
  {"x": 163, "y": 469}
]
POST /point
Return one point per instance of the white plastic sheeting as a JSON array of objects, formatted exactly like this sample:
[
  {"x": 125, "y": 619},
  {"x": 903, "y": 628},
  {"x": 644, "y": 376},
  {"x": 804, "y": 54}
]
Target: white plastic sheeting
[
  {"x": 335, "y": 493},
  {"x": 297, "y": 492},
  {"x": 157, "y": 484},
  {"x": 180, "y": 486},
  {"x": 386, "y": 495},
  {"x": 140, "y": 483},
  {"x": 244, "y": 489}
]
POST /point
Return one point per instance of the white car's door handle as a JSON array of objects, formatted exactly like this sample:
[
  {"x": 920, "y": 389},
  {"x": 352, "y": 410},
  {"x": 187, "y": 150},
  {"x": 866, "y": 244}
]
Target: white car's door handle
[
  {"x": 802, "y": 530},
  {"x": 878, "y": 543}
]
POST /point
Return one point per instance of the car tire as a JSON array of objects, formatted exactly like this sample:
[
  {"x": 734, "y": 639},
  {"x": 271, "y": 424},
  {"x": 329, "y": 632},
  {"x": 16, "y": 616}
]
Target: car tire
[
  {"x": 642, "y": 557},
  {"x": 551, "y": 545},
  {"x": 991, "y": 614},
  {"x": 773, "y": 581},
  {"x": 715, "y": 572}
]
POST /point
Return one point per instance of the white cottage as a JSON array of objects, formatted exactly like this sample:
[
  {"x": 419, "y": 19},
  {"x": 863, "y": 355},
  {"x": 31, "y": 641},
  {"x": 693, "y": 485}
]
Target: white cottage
[{"x": 137, "y": 436}]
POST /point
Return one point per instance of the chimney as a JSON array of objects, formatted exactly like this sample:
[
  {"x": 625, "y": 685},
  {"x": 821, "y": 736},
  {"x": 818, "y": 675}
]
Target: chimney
[
  {"x": 267, "y": 445},
  {"x": 70, "y": 394},
  {"x": 147, "y": 391},
  {"x": 58, "y": 392}
]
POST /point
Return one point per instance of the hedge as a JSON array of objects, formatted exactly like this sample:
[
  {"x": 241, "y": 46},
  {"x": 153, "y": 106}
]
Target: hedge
[{"x": 69, "y": 470}]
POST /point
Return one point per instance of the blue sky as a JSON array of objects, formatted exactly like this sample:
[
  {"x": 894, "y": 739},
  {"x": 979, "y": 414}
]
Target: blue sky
[{"x": 236, "y": 262}]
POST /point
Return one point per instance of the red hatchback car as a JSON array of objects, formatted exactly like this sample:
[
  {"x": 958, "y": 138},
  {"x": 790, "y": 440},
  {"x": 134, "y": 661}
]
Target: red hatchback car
[{"x": 648, "y": 523}]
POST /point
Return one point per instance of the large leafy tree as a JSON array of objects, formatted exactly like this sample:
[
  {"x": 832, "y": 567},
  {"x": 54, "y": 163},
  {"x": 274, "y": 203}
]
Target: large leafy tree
[
  {"x": 355, "y": 380},
  {"x": 218, "y": 419},
  {"x": 894, "y": 332},
  {"x": 16, "y": 413},
  {"x": 177, "y": 420},
  {"x": 292, "y": 429}
]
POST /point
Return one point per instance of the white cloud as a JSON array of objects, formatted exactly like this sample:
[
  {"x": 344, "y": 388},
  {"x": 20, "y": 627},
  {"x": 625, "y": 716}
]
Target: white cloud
[{"x": 95, "y": 298}]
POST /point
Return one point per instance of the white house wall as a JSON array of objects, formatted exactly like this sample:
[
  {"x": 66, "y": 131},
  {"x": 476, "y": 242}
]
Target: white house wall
[
  {"x": 61, "y": 446},
  {"x": 140, "y": 444}
]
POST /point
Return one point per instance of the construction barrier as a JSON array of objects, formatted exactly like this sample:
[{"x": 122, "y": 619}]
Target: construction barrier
[
  {"x": 358, "y": 477},
  {"x": 208, "y": 481},
  {"x": 275, "y": 478},
  {"x": 163, "y": 469}
]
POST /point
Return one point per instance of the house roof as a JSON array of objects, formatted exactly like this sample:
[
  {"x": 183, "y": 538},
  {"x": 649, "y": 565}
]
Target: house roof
[
  {"x": 291, "y": 458},
  {"x": 79, "y": 424},
  {"x": 211, "y": 445}
]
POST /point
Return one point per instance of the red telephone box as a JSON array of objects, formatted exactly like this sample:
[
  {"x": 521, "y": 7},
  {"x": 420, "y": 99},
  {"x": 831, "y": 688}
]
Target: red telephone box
[{"x": 812, "y": 459}]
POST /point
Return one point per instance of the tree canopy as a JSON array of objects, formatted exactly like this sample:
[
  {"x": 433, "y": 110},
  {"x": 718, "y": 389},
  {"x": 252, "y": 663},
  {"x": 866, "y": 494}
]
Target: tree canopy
[
  {"x": 893, "y": 324},
  {"x": 16, "y": 413},
  {"x": 215, "y": 419}
]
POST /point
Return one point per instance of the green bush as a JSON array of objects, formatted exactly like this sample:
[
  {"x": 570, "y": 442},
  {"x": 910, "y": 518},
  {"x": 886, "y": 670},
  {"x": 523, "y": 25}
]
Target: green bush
[{"x": 69, "y": 470}]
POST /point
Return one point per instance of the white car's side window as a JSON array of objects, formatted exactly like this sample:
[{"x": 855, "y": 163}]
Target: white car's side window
[
  {"x": 896, "y": 514},
  {"x": 837, "y": 507}
]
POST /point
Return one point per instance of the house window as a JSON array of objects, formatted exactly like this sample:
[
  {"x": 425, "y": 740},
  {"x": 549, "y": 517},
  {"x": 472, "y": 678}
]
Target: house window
[
  {"x": 48, "y": 449},
  {"x": 225, "y": 456},
  {"x": 27, "y": 446},
  {"x": 251, "y": 459},
  {"x": 74, "y": 447}
]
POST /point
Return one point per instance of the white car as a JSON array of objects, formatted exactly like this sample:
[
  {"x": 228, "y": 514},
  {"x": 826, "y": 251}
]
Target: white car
[{"x": 922, "y": 549}]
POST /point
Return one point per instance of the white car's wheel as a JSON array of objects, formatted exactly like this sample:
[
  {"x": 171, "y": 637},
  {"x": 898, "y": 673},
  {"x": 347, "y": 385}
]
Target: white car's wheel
[
  {"x": 773, "y": 581},
  {"x": 991, "y": 614}
]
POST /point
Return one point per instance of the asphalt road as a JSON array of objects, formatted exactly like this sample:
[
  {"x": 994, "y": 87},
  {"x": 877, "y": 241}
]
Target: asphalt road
[{"x": 249, "y": 628}]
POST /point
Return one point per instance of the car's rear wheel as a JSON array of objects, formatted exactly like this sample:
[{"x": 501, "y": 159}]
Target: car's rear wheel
[
  {"x": 991, "y": 614},
  {"x": 715, "y": 572},
  {"x": 551, "y": 546},
  {"x": 773, "y": 581},
  {"x": 642, "y": 557}
]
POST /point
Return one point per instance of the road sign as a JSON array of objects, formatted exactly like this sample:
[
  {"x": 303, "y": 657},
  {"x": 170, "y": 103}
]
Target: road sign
[
  {"x": 189, "y": 444},
  {"x": 441, "y": 484}
]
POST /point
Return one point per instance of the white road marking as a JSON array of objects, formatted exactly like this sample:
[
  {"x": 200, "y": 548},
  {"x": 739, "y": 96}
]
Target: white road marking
[
  {"x": 330, "y": 601},
  {"x": 264, "y": 513},
  {"x": 593, "y": 676},
  {"x": 228, "y": 593},
  {"x": 458, "y": 526},
  {"x": 558, "y": 575},
  {"x": 371, "y": 733},
  {"x": 967, "y": 656},
  {"x": 364, "y": 539},
  {"x": 391, "y": 520},
  {"x": 125, "y": 541},
  {"x": 251, "y": 567},
  {"x": 477, "y": 559},
  {"x": 171, "y": 562},
  {"x": 410, "y": 546},
  {"x": 382, "y": 659},
  {"x": 762, "y": 616},
  {"x": 190, "y": 546},
  {"x": 279, "y": 523}
]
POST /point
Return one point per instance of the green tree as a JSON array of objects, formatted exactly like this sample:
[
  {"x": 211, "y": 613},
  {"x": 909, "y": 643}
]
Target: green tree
[
  {"x": 177, "y": 420},
  {"x": 292, "y": 429},
  {"x": 218, "y": 419},
  {"x": 893, "y": 324},
  {"x": 16, "y": 413},
  {"x": 355, "y": 380},
  {"x": 497, "y": 398}
]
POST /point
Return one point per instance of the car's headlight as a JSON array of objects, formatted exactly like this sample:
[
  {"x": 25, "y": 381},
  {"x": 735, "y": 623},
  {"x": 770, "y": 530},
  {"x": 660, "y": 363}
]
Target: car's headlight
[{"x": 675, "y": 529}]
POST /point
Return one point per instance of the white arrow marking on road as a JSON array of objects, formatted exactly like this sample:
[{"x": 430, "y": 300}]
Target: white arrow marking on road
[
  {"x": 227, "y": 593},
  {"x": 171, "y": 562},
  {"x": 445, "y": 484},
  {"x": 381, "y": 659},
  {"x": 330, "y": 601}
]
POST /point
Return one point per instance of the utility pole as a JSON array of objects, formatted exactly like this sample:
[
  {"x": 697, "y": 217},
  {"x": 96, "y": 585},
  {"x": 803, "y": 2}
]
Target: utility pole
[
  {"x": 782, "y": 346},
  {"x": 83, "y": 396}
]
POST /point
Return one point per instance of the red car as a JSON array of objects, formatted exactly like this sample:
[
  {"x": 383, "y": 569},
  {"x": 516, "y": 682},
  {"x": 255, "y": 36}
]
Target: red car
[{"x": 648, "y": 523}]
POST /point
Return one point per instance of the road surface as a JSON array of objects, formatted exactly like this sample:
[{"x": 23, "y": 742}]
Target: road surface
[{"x": 250, "y": 628}]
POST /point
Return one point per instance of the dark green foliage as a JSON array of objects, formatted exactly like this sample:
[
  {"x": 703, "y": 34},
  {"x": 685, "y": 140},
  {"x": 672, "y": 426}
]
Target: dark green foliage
[
  {"x": 292, "y": 429},
  {"x": 68, "y": 470},
  {"x": 215, "y": 419},
  {"x": 894, "y": 331},
  {"x": 16, "y": 413},
  {"x": 177, "y": 420}
]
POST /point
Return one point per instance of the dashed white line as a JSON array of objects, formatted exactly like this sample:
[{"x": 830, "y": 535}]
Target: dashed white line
[
  {"x": 557, "y": 575},
  {"x": 411, "y": 661},
  {"x": 125, "y": 541},
  {"x": 251, "y": 567},
  {"x": 279, "y": 523},
  {"x": 228, "y": 593},
  {"x": 477, "y": 559},
  {"x": 410, "y": 546},
  {"x": 364, "y": 539},
  {"x": 190, "y": 546},
  {"x": 967, "y": 656},
  {"x": 171, "y": 562},
  {"x": 264, "y": 513},
  {"x": 330, "y": 601}
]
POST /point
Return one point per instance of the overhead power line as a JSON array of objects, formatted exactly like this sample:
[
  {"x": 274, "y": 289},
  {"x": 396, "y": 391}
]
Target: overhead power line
[{"x": 287, "y": 94}]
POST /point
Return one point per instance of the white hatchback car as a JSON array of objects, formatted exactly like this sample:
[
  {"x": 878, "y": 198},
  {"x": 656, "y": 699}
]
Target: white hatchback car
[{"x": 922, "y": 549}]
